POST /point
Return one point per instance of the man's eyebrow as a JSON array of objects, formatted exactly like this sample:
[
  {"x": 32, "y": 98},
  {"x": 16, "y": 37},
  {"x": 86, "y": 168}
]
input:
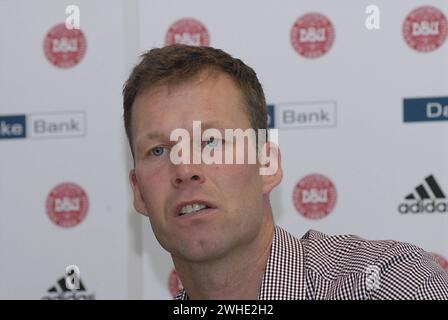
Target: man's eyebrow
[
  {"x": 157, "y": 135},
  {"x": 154, "y": 135},
  {"x": 151, "y": 136}
]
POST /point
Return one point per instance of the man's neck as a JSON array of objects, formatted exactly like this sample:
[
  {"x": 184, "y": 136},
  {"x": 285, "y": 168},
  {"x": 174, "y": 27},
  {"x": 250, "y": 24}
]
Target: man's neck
[{"x": 238, "y": 276}]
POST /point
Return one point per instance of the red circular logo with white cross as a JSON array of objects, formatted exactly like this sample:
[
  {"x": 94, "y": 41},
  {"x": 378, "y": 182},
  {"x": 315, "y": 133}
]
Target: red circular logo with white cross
[
  {"x": 187, "y": 31},
  {"x": 67, "y": 205},
  {"x": 425, "y": 29},
  {"x": 312, "y": 35},
  {"x": 63, "y": 47},
  {"x": 441, "y": 260},
  {"x": 314, "y": 196},
  {"x": 174, "y": 284}
]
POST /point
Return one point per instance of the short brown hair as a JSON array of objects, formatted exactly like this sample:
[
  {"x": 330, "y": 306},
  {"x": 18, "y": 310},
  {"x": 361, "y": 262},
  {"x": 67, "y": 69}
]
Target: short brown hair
[{"x": 178, "y": 63}]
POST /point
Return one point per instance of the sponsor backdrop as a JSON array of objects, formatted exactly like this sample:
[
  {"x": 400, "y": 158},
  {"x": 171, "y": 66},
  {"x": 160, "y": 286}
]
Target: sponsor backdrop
[
  {"x": 361, "y": 106},
  {"x": 64, "y": 195}
]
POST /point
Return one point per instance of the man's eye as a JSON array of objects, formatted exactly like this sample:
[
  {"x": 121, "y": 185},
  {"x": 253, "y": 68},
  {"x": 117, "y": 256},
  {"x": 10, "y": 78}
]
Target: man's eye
[
  {"x": 213, "y": 142},
  {"x": 157, "y": 151}
]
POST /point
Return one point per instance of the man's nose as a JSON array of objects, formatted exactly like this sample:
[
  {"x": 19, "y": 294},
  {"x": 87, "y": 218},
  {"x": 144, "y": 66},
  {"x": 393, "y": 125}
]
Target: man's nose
[{"x": 187, "y": 174}]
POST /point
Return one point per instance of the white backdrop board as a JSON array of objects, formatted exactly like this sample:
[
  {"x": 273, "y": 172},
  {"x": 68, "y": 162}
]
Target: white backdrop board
[
  {"x": 340, "y": 113},
  {"x": 362, "y": 116}
]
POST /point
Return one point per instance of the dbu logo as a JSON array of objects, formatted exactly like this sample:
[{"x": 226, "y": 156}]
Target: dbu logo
[
  {"x": 312, "y": 35},
  {"x": 425, "y": 28},
  {"x": 315, "y": 196},
  {"x": 67, "y": 204}
]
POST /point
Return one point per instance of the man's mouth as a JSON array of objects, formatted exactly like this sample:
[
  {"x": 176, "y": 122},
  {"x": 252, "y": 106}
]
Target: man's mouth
[{"x": 191, "y": 208}]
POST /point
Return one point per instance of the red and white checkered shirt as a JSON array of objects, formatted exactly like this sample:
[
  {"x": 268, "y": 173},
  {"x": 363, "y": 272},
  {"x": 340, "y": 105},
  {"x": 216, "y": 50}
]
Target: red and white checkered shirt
[{"x": 348, "y": 267}]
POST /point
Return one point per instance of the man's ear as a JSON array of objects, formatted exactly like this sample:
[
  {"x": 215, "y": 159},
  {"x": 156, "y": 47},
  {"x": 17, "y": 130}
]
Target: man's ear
[
  {"x": 270, "y": 170},
  {"x": 139, "y": 204}
]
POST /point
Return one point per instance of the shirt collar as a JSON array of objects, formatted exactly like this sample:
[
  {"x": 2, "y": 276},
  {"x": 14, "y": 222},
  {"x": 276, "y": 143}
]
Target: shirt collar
[{"x": 284, "y": 278}]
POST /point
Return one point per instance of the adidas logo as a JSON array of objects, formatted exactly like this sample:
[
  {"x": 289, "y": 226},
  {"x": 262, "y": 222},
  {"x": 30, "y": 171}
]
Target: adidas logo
[
  {"x": 427, "y": 198},
  {"x": 61, "y": 292}
]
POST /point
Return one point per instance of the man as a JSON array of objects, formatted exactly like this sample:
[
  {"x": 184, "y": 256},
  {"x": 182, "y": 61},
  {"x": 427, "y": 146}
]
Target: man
[{"x": 215, "y": 218}]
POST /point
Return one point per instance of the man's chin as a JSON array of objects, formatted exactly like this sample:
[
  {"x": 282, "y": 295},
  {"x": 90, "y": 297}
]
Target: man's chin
[{"x": 202, "y": 251}]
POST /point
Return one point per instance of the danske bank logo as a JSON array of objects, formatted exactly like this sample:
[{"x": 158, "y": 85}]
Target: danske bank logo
[
  {"x": 428, "y": 197},
  {"x": 43, "y": 125},
  {"x": 13, "y": 126},
  {"x": 425, "y": 109},
  {"x": 302, "y": 115}
]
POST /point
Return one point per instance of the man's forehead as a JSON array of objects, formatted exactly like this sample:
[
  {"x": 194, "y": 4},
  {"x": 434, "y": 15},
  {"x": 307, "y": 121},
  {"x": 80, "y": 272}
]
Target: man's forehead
[
  {"x": 162, "y": 95},
  {"x": 162, "y": 122},
  {"x": 174, "y": 83}
]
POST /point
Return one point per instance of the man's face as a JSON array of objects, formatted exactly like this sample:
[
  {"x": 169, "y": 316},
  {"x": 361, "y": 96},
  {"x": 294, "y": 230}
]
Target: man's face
[{"x": 233, "y": 193}]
